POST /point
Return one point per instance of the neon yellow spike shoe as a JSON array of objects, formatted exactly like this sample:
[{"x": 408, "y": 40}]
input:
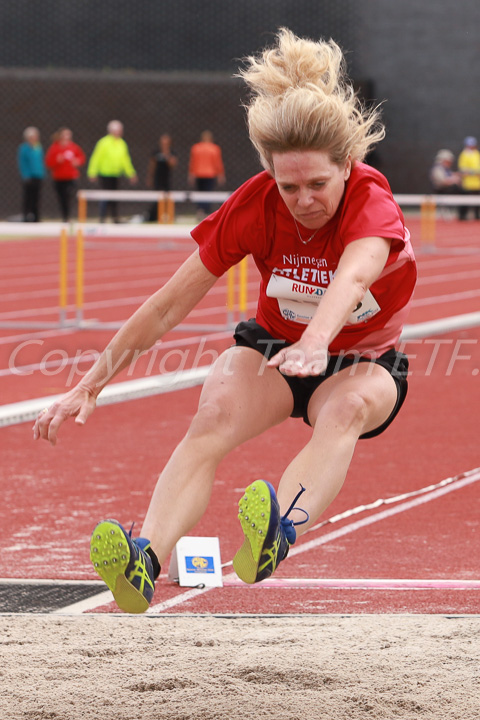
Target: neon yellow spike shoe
[
  {"x": 124, "y": 565},
  {"x": 268, "y": 535}
]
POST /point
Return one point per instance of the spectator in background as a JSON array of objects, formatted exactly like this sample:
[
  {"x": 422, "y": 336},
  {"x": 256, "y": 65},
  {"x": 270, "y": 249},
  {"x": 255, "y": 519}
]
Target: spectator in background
[
  {"x": 110, "y": 161},
  {"x": 443, "y": 179},
  {"x": 31, "y": 165},
  {"x": 205, "y": 169},
  {"x": 162, "y": 161},
  {"x": 469, "y": 168},
  {"x": 63, "y": 159}
]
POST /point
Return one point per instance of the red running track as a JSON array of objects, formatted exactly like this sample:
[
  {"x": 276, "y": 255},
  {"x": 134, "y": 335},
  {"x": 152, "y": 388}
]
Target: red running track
[{"x": 53, "y": 497}]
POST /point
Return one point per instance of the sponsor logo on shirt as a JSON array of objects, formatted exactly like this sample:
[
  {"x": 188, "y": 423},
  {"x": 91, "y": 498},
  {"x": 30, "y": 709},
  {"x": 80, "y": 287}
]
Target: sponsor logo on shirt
[{"x": 298, "y": 301}]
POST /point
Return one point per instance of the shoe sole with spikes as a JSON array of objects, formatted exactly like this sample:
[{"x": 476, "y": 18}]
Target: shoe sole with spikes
[
  {"x": 111, "y": 556},
  {"x": 264, "y": 546}
]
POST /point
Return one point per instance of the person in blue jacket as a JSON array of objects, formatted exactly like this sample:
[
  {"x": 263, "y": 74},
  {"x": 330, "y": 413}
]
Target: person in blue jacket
[{"x": 32, "y": 171}]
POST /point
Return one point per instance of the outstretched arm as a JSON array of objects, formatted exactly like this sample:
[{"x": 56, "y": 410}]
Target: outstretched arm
[{"x": 160, "y": 313}]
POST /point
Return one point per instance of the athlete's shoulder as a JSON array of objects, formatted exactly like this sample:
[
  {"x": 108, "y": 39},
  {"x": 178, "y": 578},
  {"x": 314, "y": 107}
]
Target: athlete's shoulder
[
  {"x": 366, "y": 174},
  {"x": 367, "y": 185}
]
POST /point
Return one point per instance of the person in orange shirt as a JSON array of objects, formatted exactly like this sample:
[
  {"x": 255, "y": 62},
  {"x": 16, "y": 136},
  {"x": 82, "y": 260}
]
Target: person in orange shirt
[{"x": 205, "y": 169}]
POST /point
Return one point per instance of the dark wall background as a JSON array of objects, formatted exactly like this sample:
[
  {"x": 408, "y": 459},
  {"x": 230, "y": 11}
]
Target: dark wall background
[
  {"x": 424, "y": 58},
  {"x": 168, "y": 65},
  {"x": 147, "y": 103},
  {"x": 205, "y": 35}
]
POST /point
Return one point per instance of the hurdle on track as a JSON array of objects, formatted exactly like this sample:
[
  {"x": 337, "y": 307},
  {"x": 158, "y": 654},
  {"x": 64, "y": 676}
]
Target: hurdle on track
[
  {"x": 63, "y": 277},
  {"x": 63, "y": 320},
  {"x": 236, "y": 301},
  {"x": 235, "y": 305},
  {"x": 166, "y": 201},
  {"x": 429, "y": 206},
  {"x": 47, "y": 229}
]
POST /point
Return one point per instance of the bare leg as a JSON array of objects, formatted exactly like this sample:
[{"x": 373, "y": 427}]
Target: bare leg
[
  {"x": 344, "y": 407},
  {"x": 240, "y": 400}
]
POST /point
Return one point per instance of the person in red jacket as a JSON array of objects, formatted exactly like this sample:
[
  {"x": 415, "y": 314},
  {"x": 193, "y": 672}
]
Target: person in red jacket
[{"x": 63, "y": 159}]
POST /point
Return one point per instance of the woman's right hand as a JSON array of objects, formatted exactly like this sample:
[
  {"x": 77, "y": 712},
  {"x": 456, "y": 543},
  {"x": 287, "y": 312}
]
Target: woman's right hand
[{"x": 78, "y": 403}]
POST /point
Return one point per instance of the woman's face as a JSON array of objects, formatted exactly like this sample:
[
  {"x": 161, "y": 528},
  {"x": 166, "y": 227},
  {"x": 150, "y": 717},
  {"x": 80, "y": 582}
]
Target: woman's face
[
  {"x": 310, "y": 184},
  {"x": 65, "y": 136}
]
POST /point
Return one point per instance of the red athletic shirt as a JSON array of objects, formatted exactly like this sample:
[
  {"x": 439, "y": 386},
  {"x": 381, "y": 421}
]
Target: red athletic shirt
[
  {"x": 60, "y": 160},
  {"x": 255, "y": 220}
]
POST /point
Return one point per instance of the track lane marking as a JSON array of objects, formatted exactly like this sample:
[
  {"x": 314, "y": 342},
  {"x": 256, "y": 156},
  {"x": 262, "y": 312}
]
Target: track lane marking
[
  {"x": 361, "y": 583},
  {"x": 324, "y": 539},
  {"x": 414, "y": 331}
]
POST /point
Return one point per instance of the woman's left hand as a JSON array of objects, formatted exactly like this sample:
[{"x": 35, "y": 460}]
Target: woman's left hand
[{"x": 303, "y": 358}]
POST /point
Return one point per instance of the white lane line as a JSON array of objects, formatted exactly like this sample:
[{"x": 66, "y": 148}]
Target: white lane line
[
  {"x": 383, "y": 515},
  {"x": 35, "y": 335},
  {"x": 451, "y": 297},
  {"x": 329, "y": 537},
  {"x": 417, "y": 330},
  {"x": 83, "y": 606},
  {"x": 361, "y": 583},
  {"x": 87, "y": 356},
  {"x": 49, "y": 582},
  {"x": 136, "y": 300},
  {"x": 453, "y": 323},
  {"x": 26, "y": 411},
  {"x": 444, "y": 278}
]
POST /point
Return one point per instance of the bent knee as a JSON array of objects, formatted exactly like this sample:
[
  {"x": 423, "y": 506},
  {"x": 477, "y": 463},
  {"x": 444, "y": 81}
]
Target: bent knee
[
  {"x": 347, "y": 412},
  {"x": 211, "y": 419}
]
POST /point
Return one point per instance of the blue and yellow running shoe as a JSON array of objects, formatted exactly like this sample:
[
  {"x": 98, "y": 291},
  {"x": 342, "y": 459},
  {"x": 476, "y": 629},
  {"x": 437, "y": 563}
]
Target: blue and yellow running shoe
[
  {"x": 124, "y": 565},
  {"x": 268, "y": 535}
]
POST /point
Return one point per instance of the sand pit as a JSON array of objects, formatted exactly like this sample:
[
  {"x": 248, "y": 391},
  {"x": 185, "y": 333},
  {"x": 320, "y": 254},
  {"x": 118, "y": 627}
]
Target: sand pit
[{"x": 114, "y": 667}]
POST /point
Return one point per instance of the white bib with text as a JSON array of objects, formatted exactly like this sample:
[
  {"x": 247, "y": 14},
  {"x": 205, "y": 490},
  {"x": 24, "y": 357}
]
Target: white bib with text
[{"x": 298, "y": 301}]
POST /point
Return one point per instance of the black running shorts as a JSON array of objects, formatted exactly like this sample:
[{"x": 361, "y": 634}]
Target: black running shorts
[{"x": 250, "y": 334}]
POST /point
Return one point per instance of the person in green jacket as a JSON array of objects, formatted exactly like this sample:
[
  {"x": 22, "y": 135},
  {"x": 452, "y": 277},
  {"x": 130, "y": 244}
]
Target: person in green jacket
[{"x": 110, "y": 161}]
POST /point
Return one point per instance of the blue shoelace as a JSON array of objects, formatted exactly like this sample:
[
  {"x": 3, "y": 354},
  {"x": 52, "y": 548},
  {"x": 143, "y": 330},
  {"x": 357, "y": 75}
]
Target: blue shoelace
[{"x": 287, "y": 525}]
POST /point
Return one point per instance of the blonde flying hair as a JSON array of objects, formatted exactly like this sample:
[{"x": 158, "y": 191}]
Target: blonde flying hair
[{"x": 302, "y": 100}]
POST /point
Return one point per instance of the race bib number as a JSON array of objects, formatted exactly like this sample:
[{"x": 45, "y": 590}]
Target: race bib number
[{"x": 298, "y": 301}]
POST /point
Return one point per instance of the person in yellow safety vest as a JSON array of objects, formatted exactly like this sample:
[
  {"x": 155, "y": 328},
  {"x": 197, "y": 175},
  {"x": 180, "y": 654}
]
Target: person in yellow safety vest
[
  {"x": 469, "y": 167},
  {"x": 110, "y": 161}
]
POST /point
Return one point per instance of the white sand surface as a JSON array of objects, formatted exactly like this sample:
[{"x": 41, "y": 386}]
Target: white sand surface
[{"x": 117, "y": 667}]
